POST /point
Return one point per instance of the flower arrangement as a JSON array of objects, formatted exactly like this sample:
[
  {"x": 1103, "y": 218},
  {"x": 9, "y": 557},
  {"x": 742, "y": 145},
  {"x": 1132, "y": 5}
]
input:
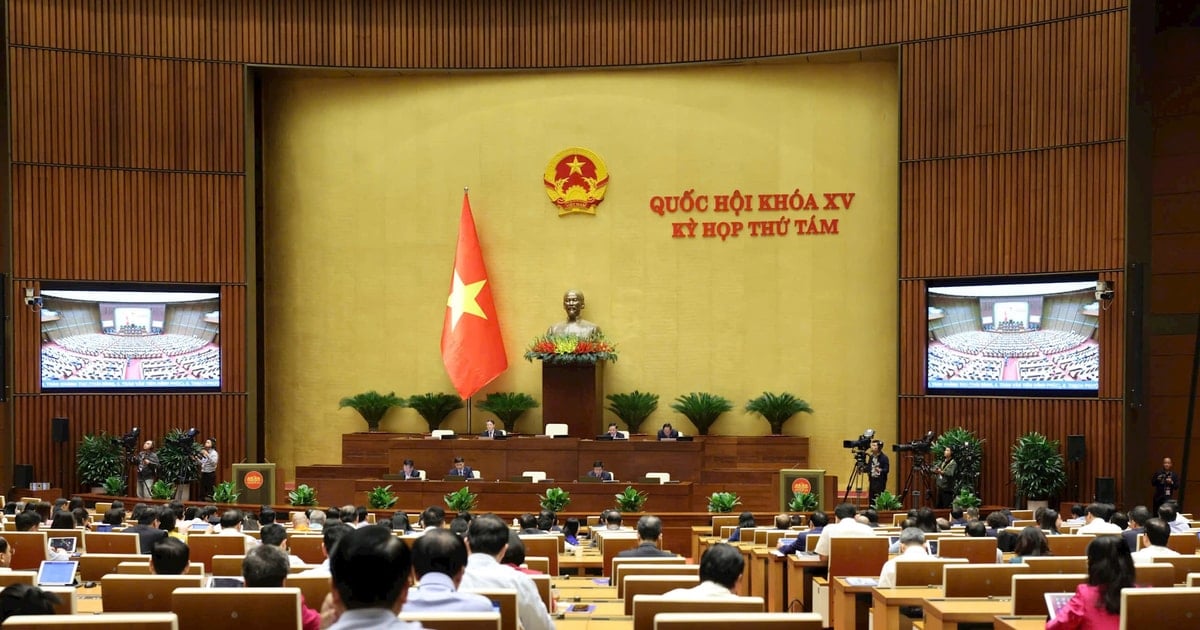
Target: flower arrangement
[{"x": 571, "y": 349}]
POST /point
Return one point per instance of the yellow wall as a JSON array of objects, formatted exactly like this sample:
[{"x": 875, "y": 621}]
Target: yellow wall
[{"x": 364, "y": 177}]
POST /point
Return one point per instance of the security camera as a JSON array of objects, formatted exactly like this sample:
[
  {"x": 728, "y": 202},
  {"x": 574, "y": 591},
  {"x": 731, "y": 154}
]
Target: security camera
[
  {"x": 1104, "y": 291},
  {"x": 32, "y": 300}
]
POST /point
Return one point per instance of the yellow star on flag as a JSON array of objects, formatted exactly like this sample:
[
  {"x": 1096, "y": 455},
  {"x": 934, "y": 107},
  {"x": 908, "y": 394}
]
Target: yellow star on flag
[{"x": 463, "y": 299}]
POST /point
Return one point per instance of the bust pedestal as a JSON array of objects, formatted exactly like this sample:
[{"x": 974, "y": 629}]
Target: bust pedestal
[{"x": 574, "y": 395}]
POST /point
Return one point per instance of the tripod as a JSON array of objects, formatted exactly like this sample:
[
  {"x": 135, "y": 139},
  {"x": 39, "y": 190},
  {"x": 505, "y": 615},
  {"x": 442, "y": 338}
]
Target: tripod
[
  {"x": 918, "y": 467},
  {"x": 855, "y": 474}
]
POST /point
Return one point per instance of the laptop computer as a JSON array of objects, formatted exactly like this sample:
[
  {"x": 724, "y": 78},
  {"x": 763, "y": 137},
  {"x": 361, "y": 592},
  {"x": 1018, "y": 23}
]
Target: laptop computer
[
  {"x": 226, "y": 581},
  {"x": 66, "y": 543},
  {"x": 57, "y": 573},
  {"x": 1056, "y": 602}
]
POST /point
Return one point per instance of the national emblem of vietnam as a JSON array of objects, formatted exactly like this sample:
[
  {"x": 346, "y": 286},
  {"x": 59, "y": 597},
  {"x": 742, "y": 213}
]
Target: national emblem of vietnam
[{"x": 575, "y": 181}]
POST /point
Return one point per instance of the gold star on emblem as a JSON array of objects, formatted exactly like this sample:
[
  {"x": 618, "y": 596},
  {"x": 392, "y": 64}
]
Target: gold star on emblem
[
  {"x": 464, "y": 299},
  {"x": 576, "y": 165}
]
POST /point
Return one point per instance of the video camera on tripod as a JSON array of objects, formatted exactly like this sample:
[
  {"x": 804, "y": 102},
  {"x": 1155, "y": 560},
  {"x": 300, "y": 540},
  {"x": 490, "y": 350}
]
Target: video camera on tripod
[
  {"x": 860, "y": 445},
  {"x": 917, "y": 447}
]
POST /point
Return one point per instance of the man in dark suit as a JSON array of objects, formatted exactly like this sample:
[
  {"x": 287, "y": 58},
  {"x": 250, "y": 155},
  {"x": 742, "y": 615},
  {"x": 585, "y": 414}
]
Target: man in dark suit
[
  {"x": 461, "y": 469},
  {"x": 613, "y": 433},
  {"x": 147, "y": 529},
  {"x": 599, "y": 473},
  {"x": 491, "y": 431},
  {"x": 649, "y": 530},
  {"x": 410, "y": 470},
  {"x": 1137, "y": 525},
  {"x": 667, "y": 432}
]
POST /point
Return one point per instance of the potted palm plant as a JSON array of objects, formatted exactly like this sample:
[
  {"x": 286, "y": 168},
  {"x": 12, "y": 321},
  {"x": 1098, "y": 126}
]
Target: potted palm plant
[
  {"x": 1037, "y": 468},
  {"x": 632, "y": 407},
  {"x": 777, "y": 409},
  {"x": 97, "y": 458},
  {"x": 434, "y": 408},
  {"x": 372, "y": 406},
  {"x": 508, "y": 407},
  {"x": 702, "y": 409}
]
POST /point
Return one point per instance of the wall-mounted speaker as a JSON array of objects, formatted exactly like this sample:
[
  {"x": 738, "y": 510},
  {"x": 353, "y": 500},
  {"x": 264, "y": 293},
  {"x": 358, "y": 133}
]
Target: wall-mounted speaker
[
  {"x": 1076, "y": 447},
  {"x": 1106, "y": 490},
  {"x": 22, "y": 476},
  {"x": 60, "y": 430}
]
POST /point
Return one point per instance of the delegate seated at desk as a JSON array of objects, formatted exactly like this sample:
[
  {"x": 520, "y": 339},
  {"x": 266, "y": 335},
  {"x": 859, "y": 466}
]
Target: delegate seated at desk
[
  {"x": 491, "y": 431},
  {"x": 461, "y": 469},
  {"x": 409, "y": 471},
  {"x": 668, "y": 432},
  {"x": 613, "y": 433},
  {"x": 598, "y": 472}
]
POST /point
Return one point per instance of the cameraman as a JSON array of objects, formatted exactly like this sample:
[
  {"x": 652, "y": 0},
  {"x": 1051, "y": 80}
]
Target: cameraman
[
  {"x": 947, "y": 473},
  {"x": 208, "y": 459},
  {"x": 878, "y": 467},
  {"x": 147, "y": 469}
]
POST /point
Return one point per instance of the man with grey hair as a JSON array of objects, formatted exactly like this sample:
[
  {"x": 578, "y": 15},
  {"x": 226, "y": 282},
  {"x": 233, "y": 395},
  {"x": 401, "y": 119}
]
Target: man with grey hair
[
  {"x": 316, "y": 520},
  {"x": 649, "y": 530},
  {"x": 912, "y": 547}
]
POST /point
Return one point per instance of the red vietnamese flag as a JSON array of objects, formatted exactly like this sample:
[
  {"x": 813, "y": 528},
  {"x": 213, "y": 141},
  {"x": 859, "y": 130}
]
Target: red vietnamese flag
[{"x": 472, "y": 348}]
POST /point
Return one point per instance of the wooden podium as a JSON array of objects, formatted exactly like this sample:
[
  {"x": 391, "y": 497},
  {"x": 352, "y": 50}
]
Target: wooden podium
[{"x": 574, "y": 395}]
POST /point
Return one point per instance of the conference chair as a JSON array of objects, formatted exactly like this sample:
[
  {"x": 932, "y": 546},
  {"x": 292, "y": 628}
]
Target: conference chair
[
  {"x": 723, "y": 520},
  {"x": 981, "y": 580},
  {"x": 542, "y": 582},
  {"x": 142, "y": 567},
  {"x": 94, "y": 566},
  {"x": 1183, "y": 566},
  {"x": 506, "y": 599},
  {"x": 309, "y": 548},
  {"x": 227, "y": 565},
  {"x": 974, "y": 550},
  {"x": 654, "y": 585},
  {"x": 662, "y": 477},
  {"x": 441, "y": 434},
  {"x": 29, "y": 549},
  {"x": 647, "y": 607},
  {"x": 616, "y": 564},
  {"x": 68, "y": 599},
  {"x": 848, "y": 556},
  {"x": 541, "y": 545},
  {"x": 557, "y": 429},
  {"x": 8, "y": 578},
  {"x": 721, "y": 621},
  {"x": 143, "y": 593},
  {"x": 1160, "y": 575},
  {"x": 1029, "y": 590},
  {"x": 629, "y": 569},
  {"x": 610, "y": 546},
  {"x": 1183, "y": 542},
  {"x": 534, "y": 475},
  {"x": 101, "y": 508},
  {"x": 103, "y": 621},
  {"x": 455, "y": 621},
  {"x": 112, "y": 542},
  {"x": 208, "y": 608},
  {"x": 1193, "y": 579},
  {"x": 313, "y": 587},
  {"x": 929, "y": 572},
  {"x": 203, "y": 548},
  {"x": 538, "y": 563},
  {"x": 1069, "y": 545},
  {"x": 1173, "y": 607}
]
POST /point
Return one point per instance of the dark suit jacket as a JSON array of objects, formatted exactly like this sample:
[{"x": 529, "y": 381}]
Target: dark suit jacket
[
  {"x": 496, "y": 432},
  {"x": 1131, "y": 536},
  {"x": 413, "y": 475},
  {"x": 662, "y": 435},
  {"x": 466, "y": 472},
  {"x": 645, "y": 550},
  {"x": 147, "y": 536},
  {"x": 604, "y": 476}
]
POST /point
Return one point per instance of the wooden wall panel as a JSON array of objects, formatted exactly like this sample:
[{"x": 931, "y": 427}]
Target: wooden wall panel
[
  {"x": 1030, "y": 212},
  {"x": 218, "y": 415},
  {"x": 512, "y": 34},
  {"x": 88, "y": 109},
  {"x": 1056, "y": 84},
  {"x": 1000, "y": 421},
  {"x": 76, "y": 223}
]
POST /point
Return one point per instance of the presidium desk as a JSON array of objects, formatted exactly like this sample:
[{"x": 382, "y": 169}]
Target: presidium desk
[{"x": 746, "y": 465}]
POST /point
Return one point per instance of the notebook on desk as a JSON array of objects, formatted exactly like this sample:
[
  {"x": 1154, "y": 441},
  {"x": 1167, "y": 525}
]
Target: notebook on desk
[{"x": 1056, "y": 602}]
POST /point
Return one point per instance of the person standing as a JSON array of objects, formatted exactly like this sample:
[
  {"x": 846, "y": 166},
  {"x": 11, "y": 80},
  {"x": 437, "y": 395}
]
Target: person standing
[
  {"x": 147, "y": 469},
  {"x": 208, "y": 468},
  {"x": 878, "y": 467},
  {"x": 947, "y": 472},
  {"x": 1165, "y": 483}
]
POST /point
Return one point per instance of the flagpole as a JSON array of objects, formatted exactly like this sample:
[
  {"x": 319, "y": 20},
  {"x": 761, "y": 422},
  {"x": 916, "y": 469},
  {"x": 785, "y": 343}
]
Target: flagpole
[{"x": 469, "y": 399}]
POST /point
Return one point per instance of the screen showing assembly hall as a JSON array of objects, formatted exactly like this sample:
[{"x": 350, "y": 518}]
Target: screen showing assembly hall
[{"x": 125, "y": 340}]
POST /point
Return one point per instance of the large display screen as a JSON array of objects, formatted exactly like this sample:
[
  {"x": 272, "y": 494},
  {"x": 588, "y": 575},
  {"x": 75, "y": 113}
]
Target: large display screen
[
  {"x": 128, "y": 339},
  {"x": 1014, "y": 338}
]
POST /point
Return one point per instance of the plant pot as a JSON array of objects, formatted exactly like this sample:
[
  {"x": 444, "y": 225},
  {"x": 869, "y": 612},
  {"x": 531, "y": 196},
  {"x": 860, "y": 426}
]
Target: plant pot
[
  {"x": 1034, "y": 504},
  {"x": 183, "y": 491},
  {"x": 97, "y": 489}
]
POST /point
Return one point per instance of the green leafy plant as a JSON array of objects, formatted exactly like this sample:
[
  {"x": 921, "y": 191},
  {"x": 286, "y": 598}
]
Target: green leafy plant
[
  {"x": 177, "y": 458},
  {"x": 632, "y": 407},
  {"x": 630, "y": 499},
  {"x": 777, "y": 409},
  {"x": 434, "y": 408},
  {"x": 303, "y": 495},
  {"x": 508, "y": 407},
  {"x": 968, "y": 453},
  {"x": 887, "y": 501},
  {"x": 1037, "y": 466},
  {"x": 115, "y": 486},
  {"x": 967, "y": 499},
  {"x": 162, "y": 490},
  {"x": 804, "y": 502},
  {"x": 723, "y": 502},
  {"x": 381, "y": 498},
  {"x": 461, "y": 500},
  {"x": 555, "y": 499},
  {"x": 225, "y": 492},
  {"x": 702, "y": 409},
  {"x": 98, "y": 457},
  {"x": 372, "y": 406}
]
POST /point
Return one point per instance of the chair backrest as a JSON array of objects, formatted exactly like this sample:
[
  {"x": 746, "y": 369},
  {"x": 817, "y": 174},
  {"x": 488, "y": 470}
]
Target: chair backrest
[
  {"x": 611, "y": 545},
  {"x": 973, "y": 550},
  {"x": 856, "y": 555},
  {"x": 1161, "y": 575},
  {"x": 723, "y": 520},
  {"x": 475, "y": 474},
  {"x": 103, "y": 621},
  {"x": 1028, "y": 590},
  {"x": 18, "y": 577},
  {"x": 102, "y": 507},
  {"x": 1069, "y": 545},
  {"x": 646, "y": 607},
  {"x": 203, "y": 548},
  {"x": 635, "y": 585},
  {"x": 542, "y": 582},
  {"x": 507, "y": 600},
  {"x": 1173, "y": 607},
  {"x": 29, "y": 549},
  {"x": 143, "y": 593},
  {"x": 616, "y": 565},
  {"x": 538, "y": 563},
  {"x": 227, "y": 565},
  {"x": 662, "y": 477},
  {"x": 111, "y": 542},
  {"x": 455, "y": 621},
  {"x": 1193, "y": 579},
  {"x": 207, "y": 608},
  {"x": 713, "y": 621},
  {"x": 438, "y": 434},
  {"x": 557, "y": 428},
  {"x": 923, "y": 572},
  {"x": 535, "y": 475},
  {"x": 981, "y": 580},
  {"x": 1183, "y": 542},
  {"x": 1183, "y": 566},
  {"x": 68, "y": 599},
  {"x": 142, "y": 567},
  {"x": 309, "y": 548},
  {"x": 769, "y": 537},
  {"x": 314, "y": 587},
  {"x": 93, "y": 566},
  {"x": 627, "y": 569},
  {"x": 1056, "y": 564},
  {"x": 544, "y": 546}
]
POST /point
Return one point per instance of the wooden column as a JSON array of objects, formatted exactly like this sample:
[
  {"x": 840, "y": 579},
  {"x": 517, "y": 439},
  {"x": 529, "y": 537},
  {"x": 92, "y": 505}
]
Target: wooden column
[{"x": 574, "y": 394}]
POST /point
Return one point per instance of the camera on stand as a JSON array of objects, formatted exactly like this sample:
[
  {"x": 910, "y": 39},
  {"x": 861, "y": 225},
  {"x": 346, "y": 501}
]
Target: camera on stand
[
  {"x": 185, "y": 440},
  {"x": 860, "y": 445},
  {"x": 917, "y": 447}
]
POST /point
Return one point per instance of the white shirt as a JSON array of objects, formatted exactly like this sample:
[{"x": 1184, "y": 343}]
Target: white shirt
[
  {"x": 320, "y": 569},
  {"x": 1148, "y": 554},
  {"x": 1099, "y": 526},
  {"x": 484, "y": 572},
  {"x": 1179, "y": 525},
  {"x": 846, "y": 527},
  {"x": 703, "y": 590},
  {"x": 887, "y": 577},
  {"x": 250, "y": 541}
]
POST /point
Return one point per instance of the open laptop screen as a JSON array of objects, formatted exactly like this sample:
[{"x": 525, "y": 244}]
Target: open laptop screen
[{"x": 57, "y": 572}]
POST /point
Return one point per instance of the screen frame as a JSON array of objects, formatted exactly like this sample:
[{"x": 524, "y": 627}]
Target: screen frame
[
  {"x": 129, "y": 287},
  {"x": 974, "y": 392}
]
